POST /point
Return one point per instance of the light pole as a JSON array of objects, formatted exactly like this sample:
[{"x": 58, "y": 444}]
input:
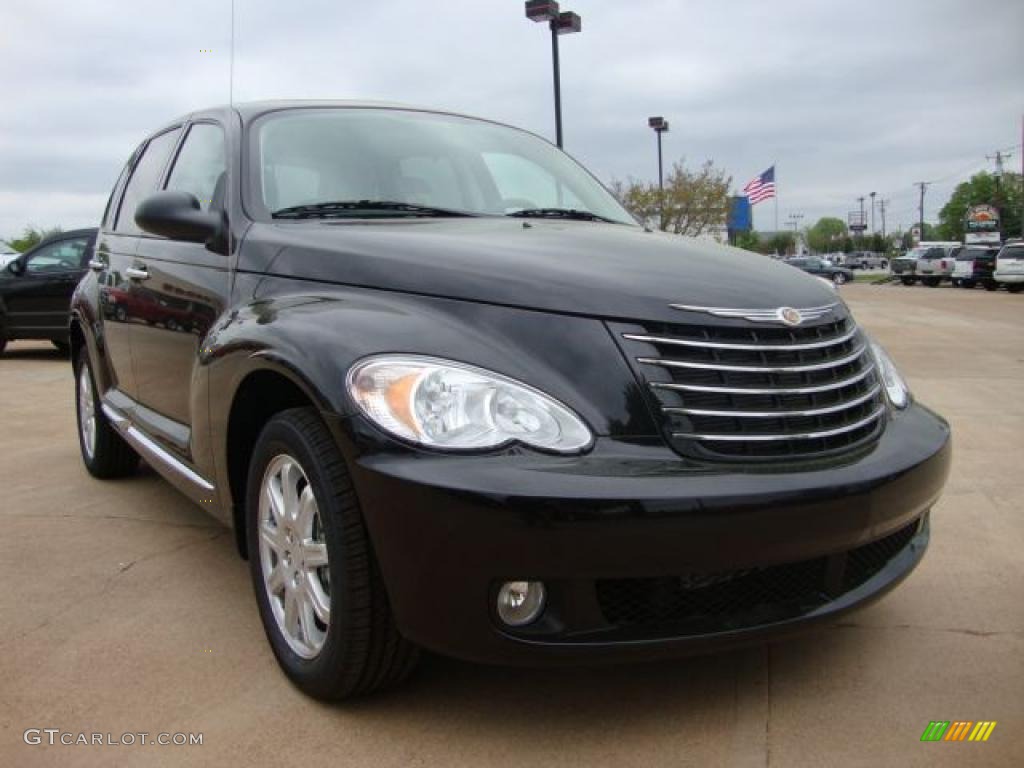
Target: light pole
[
  {"x": 660, "y": 126},
  {"x": 560, "y": 23},
  {"x": 872, "y": 196}
]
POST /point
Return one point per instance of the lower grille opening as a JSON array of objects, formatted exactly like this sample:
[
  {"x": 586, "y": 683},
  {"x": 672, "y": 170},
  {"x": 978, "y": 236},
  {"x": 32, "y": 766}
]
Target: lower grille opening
[{"x": 704, "y": 603}]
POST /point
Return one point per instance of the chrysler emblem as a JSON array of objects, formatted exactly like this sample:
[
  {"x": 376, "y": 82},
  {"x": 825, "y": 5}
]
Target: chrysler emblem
[{"x": 790, "y": 316}]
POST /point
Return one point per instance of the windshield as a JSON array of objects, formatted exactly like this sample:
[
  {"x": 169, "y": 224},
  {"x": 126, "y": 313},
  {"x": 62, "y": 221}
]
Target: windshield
[{"x": 315, "y": 156}]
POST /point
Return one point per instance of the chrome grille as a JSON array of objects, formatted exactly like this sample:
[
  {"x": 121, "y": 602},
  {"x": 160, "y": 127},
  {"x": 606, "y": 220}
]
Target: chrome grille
[{"x": 745, "y": 390}]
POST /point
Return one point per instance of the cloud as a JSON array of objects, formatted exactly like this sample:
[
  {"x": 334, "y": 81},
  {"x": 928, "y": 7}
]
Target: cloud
[{"x": 844, "y": 99}]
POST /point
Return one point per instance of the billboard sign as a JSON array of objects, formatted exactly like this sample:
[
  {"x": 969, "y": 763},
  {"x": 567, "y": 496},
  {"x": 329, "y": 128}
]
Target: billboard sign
[
  {"x": 740, "y": 219},
  {"x": 856, "y": 220}
]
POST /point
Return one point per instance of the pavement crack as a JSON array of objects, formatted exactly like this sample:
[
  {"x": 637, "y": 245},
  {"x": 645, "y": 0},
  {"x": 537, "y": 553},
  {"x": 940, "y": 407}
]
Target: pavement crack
[
  {"x": 108, "y": 583},
  {"x": 953, "y": 630}
]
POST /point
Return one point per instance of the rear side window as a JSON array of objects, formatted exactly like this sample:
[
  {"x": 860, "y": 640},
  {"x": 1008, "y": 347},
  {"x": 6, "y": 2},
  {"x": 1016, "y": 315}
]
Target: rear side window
[
  {"x": 200, "y": 165},
  {"x": 1012, "y": 252},
  {"x": 144, "y": 179},
  {"x": 62, "y": 256}
]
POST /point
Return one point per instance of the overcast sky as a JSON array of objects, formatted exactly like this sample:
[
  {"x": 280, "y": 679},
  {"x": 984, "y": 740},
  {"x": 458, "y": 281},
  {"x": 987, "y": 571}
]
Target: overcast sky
[{"x": 845, "y": 98}]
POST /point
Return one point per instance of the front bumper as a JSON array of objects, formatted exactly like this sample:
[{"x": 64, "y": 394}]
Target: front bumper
[{"x": 644, "y": 554}]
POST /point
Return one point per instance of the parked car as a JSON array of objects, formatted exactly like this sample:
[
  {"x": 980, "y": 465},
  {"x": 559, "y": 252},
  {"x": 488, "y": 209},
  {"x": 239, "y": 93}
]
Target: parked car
[
  {"x": 821, "y": 268},
  {"x": 866, "y": 260},
  {"x": 453, "y": 397},
  {"x": 7, "y": 254},
  {"x": 936, "y": 265},
  {"x": 36, "y": 288},
  {"x": 911, "y": 266},
  {"x": 975, "y": 265},
  {"x": 1010, "y": 266}
]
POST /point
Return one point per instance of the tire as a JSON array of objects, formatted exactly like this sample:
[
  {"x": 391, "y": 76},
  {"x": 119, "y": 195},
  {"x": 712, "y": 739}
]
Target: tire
[
  {"x": 931, "y": 282},
  {"x": 104, "y": 453},
  {"x": 907, "y": 280},
  {"x": 354, "y": 647},
  {"x": 967, "y": 283},
  {"x": 839, "y": 278},
  {"x": 1015, "y": 287},
  {"x": 62, "y": 346},
  {"x": 991, "y": 285}
]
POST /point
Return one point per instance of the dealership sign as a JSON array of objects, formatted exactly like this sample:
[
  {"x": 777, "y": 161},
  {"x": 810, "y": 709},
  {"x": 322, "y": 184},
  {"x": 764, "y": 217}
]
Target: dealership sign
[{"x": 981, "y": 224}]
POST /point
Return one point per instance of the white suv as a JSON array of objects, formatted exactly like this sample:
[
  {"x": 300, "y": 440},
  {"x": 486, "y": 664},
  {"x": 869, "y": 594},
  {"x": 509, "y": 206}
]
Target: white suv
[{"x": 1010, "y": 266}]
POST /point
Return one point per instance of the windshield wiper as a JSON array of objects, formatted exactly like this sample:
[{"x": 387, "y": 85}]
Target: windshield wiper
[
  {"x": 339, "y": 208},
  {"x": 560, "y": 213}
]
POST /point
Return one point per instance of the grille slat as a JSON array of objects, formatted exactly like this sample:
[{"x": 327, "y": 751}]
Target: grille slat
[{"x": 754, "y": 391}]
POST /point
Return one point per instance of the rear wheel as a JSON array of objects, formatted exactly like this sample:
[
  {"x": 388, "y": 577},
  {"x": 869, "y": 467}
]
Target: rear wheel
[
  {"x": 839, "y": 278},
  {"x": 991, "y": 285},
  {"x": 104, "y": 451},
  {"x": 320, "y": 594},
  {"x": 1015, "y": 287},
  {"x": 907, "y": 280},
  {"x": 931, "y": 282}
]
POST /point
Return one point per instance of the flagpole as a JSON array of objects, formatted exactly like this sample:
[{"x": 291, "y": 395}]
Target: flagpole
[{"x": 775, "y": 173}]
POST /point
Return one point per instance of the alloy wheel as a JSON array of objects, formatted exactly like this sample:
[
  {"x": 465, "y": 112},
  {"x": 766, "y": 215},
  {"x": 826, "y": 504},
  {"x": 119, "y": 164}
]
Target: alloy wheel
[
  {"x": 86, "y": 412},
  {"x": 293, "y": 556}
]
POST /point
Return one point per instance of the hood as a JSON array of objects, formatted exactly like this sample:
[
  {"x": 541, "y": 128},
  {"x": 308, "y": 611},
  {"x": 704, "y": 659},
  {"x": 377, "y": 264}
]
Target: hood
[{"x": 575, "y": 267}]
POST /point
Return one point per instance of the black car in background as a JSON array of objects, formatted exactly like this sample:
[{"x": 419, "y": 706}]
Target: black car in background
[
  {"x": 36, "y": 288},
  {"x": 812, "y": 265},
  {"x": 449, "y": 395},
  {"x": 975, "y": 265}
]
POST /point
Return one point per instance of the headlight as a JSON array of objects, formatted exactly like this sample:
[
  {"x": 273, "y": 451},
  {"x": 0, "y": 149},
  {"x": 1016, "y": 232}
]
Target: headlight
[
  {"x": 895, "y": 386},
  {"x": 448, "y": 405}
]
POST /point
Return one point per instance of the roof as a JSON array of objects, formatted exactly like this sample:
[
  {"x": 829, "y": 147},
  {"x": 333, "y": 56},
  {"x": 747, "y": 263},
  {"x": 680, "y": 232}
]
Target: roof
[{"x": 252, "y": 109}]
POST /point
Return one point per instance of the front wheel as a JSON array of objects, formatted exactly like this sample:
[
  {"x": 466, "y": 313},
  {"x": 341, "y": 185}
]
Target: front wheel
[
  {"x": 907, "y": 280},
  {"x": 1015, "y": 287},
  {"x": 839, "y": 278},
  {"x": 991, "y": 285},
  {"x": 931, "y": 282},
  {"x": 320, "y": 594},
  {"x": 104, "y": 452}
]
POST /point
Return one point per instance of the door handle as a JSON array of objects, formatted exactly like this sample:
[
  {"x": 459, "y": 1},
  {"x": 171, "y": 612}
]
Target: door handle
[
  {"x": 137, "y": 274},
  {"x": 96, "y": 265}
]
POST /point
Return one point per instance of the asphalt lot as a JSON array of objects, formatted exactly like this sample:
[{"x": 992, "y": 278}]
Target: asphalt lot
[{"x": 124, "y": 608}]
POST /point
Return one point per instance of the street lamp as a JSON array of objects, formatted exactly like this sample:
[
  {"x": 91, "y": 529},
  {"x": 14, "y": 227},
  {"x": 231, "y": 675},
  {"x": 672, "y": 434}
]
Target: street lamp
[
  {"x": 560, "y": 23},
  {"x": 660, "y": 126},
  {"x": 872, "y": 196}
]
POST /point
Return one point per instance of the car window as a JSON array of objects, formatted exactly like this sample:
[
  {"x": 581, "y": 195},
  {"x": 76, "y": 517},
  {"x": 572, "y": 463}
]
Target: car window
[
  {"x": 62, "y": 256},
  {"x": 524, "y": 184},
  {"x": 200, "y": 164},
  {"x": 144, "y": 179},
  {"x": 801, "y": 263},
  {"x": 1012, "y": 252}
]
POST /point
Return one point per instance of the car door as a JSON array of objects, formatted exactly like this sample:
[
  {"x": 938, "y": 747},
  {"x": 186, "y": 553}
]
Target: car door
[
  {"x": 38, "y": 300},
  {"x": 186, "y": 285},
  {"x": 120, "y": 291}
]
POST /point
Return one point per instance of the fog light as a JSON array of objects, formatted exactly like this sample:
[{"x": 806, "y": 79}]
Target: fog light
[{"x": 520, "y": 602}]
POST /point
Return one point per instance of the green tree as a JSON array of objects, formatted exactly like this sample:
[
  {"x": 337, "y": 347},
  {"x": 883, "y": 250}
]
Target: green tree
[
  {"x": 827, "y": 235},
  {"x": 693, "y": 202},
  {"x": 982, "y": 189},
  {"x": 31, "y": 237},
  {"x": 748, "y": 241}
]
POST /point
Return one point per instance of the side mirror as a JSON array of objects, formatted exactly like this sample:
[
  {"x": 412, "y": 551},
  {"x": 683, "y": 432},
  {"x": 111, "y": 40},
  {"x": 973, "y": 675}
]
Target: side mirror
[
  {"x": 178, "y": 216},
  {"x": 16, "y": 267}
]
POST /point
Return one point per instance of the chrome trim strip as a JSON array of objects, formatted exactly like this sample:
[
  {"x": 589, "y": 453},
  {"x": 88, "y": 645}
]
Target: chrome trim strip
[
  {"x": 748, "y": 347},
  {"x": 876, "y": 414},
  {"x": 154, "y": 451},
  {"x": 756, "y": 368},
  {"x": 758, "y": 315},
  {"x": 767, "y": 391},
  {"x": 778, "y": 414}
]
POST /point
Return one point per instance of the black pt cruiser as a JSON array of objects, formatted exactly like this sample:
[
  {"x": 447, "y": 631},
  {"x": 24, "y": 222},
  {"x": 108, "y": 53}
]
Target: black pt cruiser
[{"x": 450, "y": 396}]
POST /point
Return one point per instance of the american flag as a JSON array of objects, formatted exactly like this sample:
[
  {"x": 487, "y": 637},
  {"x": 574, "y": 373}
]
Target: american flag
[{"x": 761, "y": 187}]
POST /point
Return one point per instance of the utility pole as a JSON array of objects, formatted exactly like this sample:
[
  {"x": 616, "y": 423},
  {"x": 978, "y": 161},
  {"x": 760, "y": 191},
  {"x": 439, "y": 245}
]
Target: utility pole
[
  {"x": 920, "y": 210},
  {"x": 999, "y": 156},
  {"x": 872, "y": 196},
  {"x": 881, "y": 210}
]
